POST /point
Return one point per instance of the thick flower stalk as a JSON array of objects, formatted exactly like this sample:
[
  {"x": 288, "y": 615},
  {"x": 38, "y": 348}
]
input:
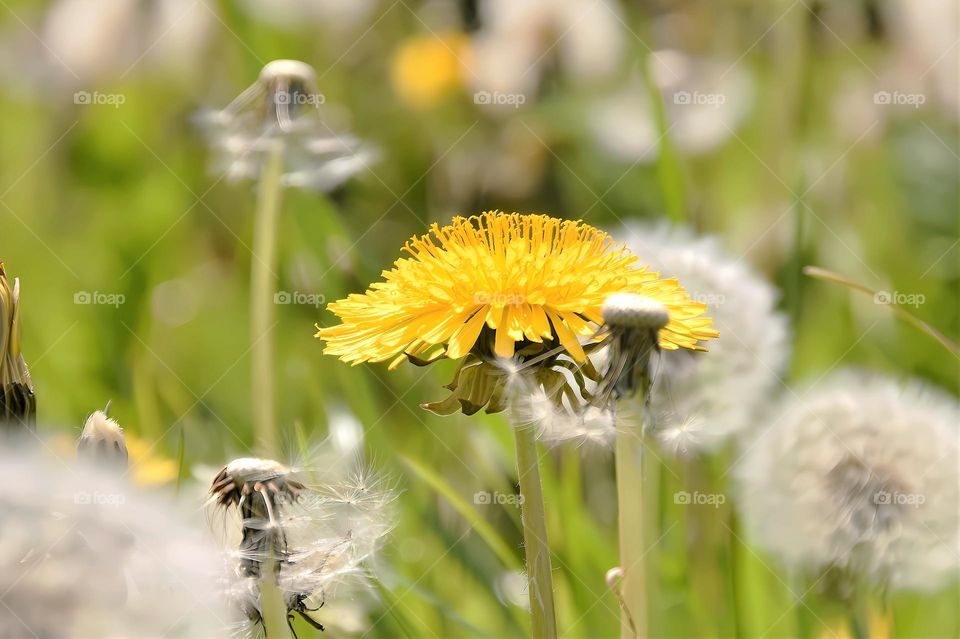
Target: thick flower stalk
[
  {"x": 18, "y": 404},
  {"x": 273, "y": 132},
  {"x": 632, "y": 322},
  {"x": 515, "y": 297},
  {"x": 300, "y": 540}
]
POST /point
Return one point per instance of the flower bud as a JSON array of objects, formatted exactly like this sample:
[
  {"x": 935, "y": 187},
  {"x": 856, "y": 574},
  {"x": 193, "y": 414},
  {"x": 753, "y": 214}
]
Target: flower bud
[
  {"x": 18, "y": 404},
  {"x": 102, "y": 441}
]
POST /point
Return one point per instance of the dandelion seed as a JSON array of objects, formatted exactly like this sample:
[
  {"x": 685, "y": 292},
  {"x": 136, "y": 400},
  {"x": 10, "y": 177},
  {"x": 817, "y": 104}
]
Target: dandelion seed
[
  {"x": 860, "y": 477},
  {"x": 18, "y": 404},
  {"x": 497, "y": 287},
  {"x": 283, "y": 109},
  {"x": 102, "y": 440},
  {"x": 84, "y": 554},
  {"x": 704, "y": 400}
]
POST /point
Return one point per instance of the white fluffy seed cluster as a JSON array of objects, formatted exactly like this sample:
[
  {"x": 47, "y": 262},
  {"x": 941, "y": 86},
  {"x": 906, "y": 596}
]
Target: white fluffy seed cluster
[
  {"x": 861, "y": 473},
  {"x": 699, "y": 400},
  {"x": 83, "y": 554}
]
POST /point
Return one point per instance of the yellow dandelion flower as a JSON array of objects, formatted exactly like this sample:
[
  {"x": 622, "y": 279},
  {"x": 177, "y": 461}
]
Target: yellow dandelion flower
[
  {"x": 427, "y": 68},
  {"x": 496, "y": 283}
]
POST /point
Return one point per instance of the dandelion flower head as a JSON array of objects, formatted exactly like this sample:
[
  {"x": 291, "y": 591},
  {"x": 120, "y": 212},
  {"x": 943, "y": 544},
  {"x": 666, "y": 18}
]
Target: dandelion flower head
[{"x": 497, "y": 283}]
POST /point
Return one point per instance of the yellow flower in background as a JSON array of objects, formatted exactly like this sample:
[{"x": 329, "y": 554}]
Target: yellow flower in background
[
  {"x": 428, "y": 68},
  {"x": 492, "y": 281},
  {"x": 147, "y": 466}
]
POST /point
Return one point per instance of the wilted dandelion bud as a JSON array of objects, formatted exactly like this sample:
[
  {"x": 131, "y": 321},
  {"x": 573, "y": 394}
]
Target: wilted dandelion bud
[
  {"x": 700, "y": 400},
  {"x": 102, "y": 441},
  {"x": 18, "y": 404},
  {"x": 281, "y": 112},
  {"x": 305, "y": 539},
  {"x": 632, "y": 322},
  {"x": 862, "y": 478}
]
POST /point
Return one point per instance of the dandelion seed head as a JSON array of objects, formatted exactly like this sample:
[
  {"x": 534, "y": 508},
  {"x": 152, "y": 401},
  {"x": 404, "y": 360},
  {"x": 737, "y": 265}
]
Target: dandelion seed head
[
  {"x": 724, "y": 392},
  {"x": 319, "y": 525},
  {"x": 284, "y": 111},
  {"x": 85, "y": 554},
  {"x": 860, "y": 474}
]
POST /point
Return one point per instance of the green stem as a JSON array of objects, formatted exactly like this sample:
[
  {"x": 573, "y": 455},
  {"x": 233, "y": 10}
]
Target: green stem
[
  {"x": 262, "y": 278},
  {"x": 629, "y": 462},
  {"x": 539, "y": 572},
  {"x": 859, "y": 625},
  {"x": 273, "y": 611}
]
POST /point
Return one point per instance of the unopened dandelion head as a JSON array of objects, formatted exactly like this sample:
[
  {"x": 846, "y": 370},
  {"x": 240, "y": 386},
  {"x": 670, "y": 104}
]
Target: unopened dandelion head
[
  {"x": 632, "y": 323},
  {"x": 725, "y": 393},
  {"x": 501, "y": 286},
  {"x": 282, "y": 113},
  {"x": 18, "y": 404},
  {"x": 85, "y": 554},
  {"x": 860, "y": 476},
  {"x": 102, "y": 440}
]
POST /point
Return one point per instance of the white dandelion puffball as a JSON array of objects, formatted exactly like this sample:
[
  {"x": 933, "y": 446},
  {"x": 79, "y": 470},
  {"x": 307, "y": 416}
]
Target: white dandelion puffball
[
  {"x": 698, "y": 400},
  {"x": 861, "y": 474},
  {"x": 83, "y": 554}
]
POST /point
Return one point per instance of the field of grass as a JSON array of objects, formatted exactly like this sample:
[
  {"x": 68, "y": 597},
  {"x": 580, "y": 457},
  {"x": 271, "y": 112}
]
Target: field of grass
[{"x": 797, "y": 133}]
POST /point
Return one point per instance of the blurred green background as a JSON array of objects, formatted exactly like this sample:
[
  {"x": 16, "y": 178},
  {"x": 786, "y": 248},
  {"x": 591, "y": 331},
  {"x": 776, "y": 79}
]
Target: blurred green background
[{"x": 799, "y": 132}]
